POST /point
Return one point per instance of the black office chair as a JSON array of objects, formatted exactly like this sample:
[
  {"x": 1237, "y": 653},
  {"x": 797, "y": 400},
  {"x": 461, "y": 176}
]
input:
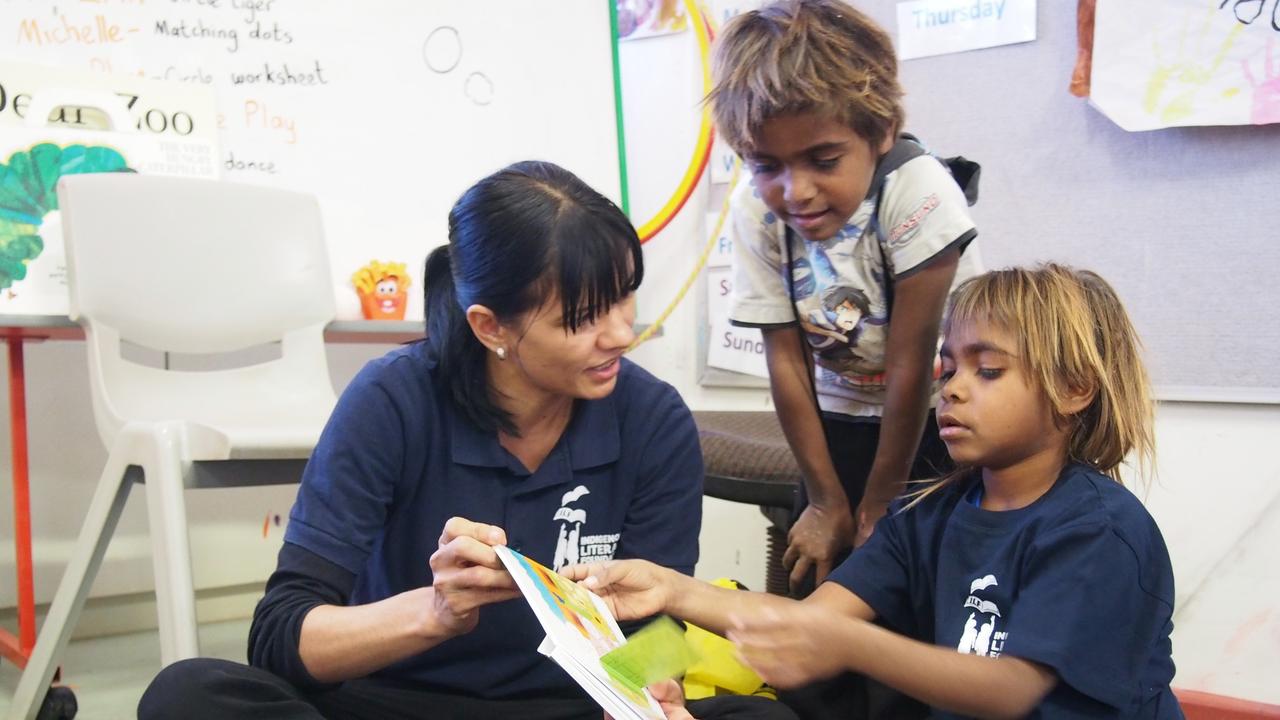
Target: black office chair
[{"x": 748, "y": 461}]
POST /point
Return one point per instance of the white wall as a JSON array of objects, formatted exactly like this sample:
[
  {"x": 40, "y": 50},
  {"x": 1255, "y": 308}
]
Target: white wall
[{"x": 1218, "y": 503}]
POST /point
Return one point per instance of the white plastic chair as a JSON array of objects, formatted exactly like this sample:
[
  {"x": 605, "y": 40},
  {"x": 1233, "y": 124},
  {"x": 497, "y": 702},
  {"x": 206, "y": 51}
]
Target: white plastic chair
[{"x": 195, "y": 267}]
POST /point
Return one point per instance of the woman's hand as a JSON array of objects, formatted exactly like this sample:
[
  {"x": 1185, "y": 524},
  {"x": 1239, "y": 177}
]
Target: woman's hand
[
  {"x": 670, "y": 696},
  {"x": 792, "y": 645},
  {"x": 468, "y": 574},
  {"x": 632, "y": 589},
  {"x": 818, "y": 538}
]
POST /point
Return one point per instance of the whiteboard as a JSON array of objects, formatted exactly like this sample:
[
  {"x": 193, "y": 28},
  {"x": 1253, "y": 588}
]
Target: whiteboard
[
  {"x": 385, "y": 109},
  {"x": 1184, "y": 222}
]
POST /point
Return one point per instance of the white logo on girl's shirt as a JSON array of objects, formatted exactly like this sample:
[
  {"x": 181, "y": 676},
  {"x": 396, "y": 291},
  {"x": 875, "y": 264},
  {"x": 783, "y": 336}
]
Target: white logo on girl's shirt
[{"x": 980, "y": 636}]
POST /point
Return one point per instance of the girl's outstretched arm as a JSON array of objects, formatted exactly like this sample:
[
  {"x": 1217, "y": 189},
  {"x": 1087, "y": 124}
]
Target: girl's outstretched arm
[
  {"x": 638, "y": 588},
  {"x": 791, "y": 645}
]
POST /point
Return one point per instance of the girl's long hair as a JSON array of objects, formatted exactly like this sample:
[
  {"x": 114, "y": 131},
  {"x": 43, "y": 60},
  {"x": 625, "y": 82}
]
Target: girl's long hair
[{"x": 1072, "y": 333}]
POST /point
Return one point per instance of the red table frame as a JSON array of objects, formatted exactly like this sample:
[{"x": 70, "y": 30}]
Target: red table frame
[{"x": 16, "y": 331}]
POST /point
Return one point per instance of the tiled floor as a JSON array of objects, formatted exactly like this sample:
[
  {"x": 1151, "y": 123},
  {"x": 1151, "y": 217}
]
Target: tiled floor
[{"x": 109, "y": 674}]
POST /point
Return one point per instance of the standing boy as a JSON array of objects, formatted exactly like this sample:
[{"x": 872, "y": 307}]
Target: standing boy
[{"x": 806, "y": 91}]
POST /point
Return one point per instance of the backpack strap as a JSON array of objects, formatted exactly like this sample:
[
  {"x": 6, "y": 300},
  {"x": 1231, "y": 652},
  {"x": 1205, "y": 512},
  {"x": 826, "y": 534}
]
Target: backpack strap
[{"x": 906, "y": 148}]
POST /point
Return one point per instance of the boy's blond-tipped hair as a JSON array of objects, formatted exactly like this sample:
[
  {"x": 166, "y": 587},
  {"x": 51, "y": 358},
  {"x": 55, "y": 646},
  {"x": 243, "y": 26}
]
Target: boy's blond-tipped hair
[
  {"x": 804, "y": 56},
  {"x": 1073, "y": 333}
]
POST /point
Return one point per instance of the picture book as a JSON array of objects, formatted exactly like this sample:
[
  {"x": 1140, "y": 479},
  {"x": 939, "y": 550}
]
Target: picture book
[{"x": 580, "y": 631}]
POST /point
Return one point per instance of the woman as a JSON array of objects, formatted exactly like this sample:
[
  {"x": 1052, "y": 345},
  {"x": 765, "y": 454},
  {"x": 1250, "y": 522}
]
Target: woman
[{"x": 516, "y": 422}]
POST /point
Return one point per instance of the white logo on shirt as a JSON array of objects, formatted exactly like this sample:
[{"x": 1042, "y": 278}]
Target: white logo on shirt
[
  {"x": 572, "y": 547},
  {"x": 982, "y": 583},
  {"x": 571, "y": 520},
  {"x": 980, "y": 636}
]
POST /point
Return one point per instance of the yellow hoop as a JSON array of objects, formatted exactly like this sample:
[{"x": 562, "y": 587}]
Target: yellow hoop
[{"x": 702, "y": 149}]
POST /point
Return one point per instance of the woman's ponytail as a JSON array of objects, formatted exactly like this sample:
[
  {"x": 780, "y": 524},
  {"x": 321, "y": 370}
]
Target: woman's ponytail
[{"x": 459, "y": 355}]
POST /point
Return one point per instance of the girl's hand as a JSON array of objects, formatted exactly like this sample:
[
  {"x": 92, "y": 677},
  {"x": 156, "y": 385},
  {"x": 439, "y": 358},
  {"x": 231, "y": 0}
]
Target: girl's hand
[
  {"x": 468, "y": 574},
  {"x": 632, "y": 589},
  {"x": 817, "y": 539},
  {"x": 791, "y": 646}
]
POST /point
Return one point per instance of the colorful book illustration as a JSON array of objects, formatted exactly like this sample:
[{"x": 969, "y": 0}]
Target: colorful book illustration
[{"x": 580, "y": 631}]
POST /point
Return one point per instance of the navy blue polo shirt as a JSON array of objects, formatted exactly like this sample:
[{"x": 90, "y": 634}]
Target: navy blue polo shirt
[
  {"x": 1079, "y": 580},
  {"x": 398, "y": 458}
]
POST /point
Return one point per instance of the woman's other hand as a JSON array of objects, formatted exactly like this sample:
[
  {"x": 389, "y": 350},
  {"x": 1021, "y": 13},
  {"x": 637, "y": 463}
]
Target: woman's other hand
[
  {"x": 468, "y": 574},
  {"x": 670, "y": 696}
]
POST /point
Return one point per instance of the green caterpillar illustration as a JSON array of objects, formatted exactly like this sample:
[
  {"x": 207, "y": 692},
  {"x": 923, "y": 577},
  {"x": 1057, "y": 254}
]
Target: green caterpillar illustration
[{"x": 27, "y": 183}]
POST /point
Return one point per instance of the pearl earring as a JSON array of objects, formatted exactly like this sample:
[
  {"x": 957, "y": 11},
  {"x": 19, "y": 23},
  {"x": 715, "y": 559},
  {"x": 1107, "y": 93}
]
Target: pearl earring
[{"x": 502, "y": 353}]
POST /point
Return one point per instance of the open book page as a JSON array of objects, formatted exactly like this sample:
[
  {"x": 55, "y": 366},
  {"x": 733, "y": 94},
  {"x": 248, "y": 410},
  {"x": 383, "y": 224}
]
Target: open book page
[{"x": 580, "y": 629}]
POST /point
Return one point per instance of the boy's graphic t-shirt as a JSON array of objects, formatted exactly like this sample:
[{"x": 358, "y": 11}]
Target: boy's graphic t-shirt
[
  {"x": 840, "y": 285},
  {"x": 1079, "y": 581}
]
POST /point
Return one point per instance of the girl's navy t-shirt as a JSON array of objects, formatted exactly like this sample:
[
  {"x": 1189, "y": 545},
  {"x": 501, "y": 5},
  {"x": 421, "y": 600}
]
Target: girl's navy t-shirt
[{"x": 1079, "y": 581}]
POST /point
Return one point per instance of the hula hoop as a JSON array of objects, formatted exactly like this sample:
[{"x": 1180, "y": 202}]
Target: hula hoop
[
  {"x": 697, "y": 268},
  {"x": 702, "y": 149}
]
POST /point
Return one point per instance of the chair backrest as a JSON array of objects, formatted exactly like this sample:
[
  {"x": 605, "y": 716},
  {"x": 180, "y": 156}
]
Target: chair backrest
[
  {"x": 197, "y": 267},
  {"x": 194, "y": 266}
]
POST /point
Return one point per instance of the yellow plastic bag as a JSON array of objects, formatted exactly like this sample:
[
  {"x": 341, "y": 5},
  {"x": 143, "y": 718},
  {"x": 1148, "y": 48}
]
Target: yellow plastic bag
[{"x": 717, "y": 671}]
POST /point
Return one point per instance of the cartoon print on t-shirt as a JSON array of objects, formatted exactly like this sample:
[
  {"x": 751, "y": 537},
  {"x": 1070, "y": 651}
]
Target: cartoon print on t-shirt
[
  {"x": 979, "y": 636},
  {"x": 842, "y": 323},
  {"x": 824, "y": 271},
  {"x": 842, "y": 306},
  {"x": 803, "y": 283}
]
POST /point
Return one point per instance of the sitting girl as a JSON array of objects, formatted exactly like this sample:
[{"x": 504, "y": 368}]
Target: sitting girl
[{"x": 1029, "y": 581}]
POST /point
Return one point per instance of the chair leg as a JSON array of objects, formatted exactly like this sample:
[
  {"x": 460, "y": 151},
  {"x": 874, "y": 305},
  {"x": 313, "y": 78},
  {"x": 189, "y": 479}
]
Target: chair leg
[
  {"x": 171, "y": 548},
  {"x": 99, "y": 525}
]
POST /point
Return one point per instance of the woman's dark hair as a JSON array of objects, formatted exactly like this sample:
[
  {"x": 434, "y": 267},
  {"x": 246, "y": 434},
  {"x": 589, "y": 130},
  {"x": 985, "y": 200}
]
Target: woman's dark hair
[{"x": 516, "y": 237}]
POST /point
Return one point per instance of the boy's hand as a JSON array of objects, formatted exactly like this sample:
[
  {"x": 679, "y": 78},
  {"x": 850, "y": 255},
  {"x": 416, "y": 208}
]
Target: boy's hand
[
  {"x": 817, "y": 539},
  {"x": 869, "y": 513},
  {"x": 789, "y": 647},
  {"x": 632, "y": 589},
  {"x": 467, "y": 574}
]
